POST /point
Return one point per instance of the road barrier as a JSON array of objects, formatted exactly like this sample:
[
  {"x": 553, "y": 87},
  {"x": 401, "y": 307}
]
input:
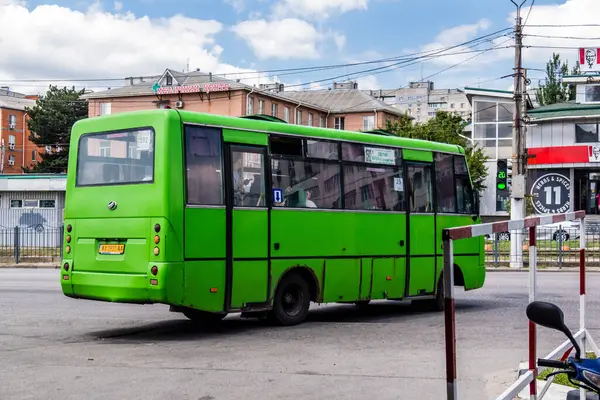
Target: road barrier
[{"x": 529, "y": 378}]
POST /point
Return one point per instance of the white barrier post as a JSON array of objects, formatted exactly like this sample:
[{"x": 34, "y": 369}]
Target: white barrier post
[
  {"x": 532, "y": 327},
  {"x": 449, "y": 320},
  {"x": 582, "y": 395}
]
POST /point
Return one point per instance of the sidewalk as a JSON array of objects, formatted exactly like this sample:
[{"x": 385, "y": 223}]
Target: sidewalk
[
  {"x": 31, "y": 265},
  {"x": 542, "y": 269}
]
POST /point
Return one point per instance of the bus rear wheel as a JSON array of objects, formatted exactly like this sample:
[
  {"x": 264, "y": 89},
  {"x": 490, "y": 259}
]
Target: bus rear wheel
[
  {"x": 203, "y": 317},
  {"x": 291, "y": 302}
]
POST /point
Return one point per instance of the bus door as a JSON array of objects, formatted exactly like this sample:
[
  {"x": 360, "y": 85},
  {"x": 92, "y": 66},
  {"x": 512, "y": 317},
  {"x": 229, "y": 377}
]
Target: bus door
[
  {"x": 247, "y": 269},
  {"x": 421, "y": 258}
]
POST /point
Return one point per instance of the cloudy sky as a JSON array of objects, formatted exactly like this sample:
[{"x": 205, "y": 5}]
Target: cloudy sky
[{"x": 96, "y": 44}]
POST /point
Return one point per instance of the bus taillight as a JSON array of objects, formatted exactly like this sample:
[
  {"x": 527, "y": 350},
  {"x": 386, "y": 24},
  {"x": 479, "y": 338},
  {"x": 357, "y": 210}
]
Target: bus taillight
[{"x": 154, "y": 270}]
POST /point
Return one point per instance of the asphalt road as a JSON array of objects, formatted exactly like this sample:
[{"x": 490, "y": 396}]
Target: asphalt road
[{"x": 53, "y": 347}]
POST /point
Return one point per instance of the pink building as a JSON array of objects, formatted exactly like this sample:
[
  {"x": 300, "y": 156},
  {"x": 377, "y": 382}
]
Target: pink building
[{"x": 341, "y": 107}]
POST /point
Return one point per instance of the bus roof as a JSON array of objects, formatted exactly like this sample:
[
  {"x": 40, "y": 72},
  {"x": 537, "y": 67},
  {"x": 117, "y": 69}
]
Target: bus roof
[{"x": 277, "y": 127}]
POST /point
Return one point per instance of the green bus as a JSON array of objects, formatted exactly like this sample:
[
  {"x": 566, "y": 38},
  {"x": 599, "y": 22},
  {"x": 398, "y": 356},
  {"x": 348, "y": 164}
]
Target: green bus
[{"x": 214, "y": 215}]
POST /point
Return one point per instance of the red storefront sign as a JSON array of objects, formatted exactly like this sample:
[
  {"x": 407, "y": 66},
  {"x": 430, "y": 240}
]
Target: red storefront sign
[{"x": 563, "y": 155}]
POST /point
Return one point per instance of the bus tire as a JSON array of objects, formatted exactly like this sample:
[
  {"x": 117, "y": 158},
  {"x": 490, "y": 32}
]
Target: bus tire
[
  {"x": 437, "y": 304},
  {"x": 291, "y": 302},
  {"x": 203, "y": 317}
]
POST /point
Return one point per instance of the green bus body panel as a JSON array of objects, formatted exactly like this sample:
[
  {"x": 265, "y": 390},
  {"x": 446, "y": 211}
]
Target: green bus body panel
[
  {"x": 245, "y": 137},
  {"x": 417, "y": 155},
  {"x": 200, "y": 277},
  {"x": 350, "y": 255},
  {"x": 422, "y": 254},
  {"x": 205, "y": 233}
]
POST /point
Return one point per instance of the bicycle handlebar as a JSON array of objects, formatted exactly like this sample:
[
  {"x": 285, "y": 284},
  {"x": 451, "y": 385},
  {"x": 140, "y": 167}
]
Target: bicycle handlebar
[{"x": 553, "y": 363}]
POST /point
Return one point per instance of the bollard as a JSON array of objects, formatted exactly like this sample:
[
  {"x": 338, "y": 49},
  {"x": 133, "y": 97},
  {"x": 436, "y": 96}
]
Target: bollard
[
  {"x": 16, "y": 244},
  {"x": 496, "y": 250}
]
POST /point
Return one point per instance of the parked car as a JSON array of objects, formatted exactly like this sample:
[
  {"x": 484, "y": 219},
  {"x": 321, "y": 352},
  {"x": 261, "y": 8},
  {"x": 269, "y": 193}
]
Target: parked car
[{"x": 563, "y": 231}]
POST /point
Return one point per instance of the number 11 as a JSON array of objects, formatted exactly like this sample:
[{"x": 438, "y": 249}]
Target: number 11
[{"x": 548, "y": 191}]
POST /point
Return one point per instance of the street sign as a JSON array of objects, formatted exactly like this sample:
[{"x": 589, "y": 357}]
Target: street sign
[
  {"x": 550, "y": 194},
  {"x": 277, "y": 195}
]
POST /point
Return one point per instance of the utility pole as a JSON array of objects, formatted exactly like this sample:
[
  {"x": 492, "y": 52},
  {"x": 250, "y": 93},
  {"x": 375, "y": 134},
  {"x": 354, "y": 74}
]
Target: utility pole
[{"x": 517, "y": 206}]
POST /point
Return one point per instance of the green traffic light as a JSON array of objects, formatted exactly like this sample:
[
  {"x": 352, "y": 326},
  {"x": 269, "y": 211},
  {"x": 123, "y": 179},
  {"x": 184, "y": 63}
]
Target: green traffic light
[{"x": 501, "y": 185}]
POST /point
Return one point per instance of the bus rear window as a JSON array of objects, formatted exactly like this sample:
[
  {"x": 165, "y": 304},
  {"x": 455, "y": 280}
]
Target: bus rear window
[{"x": 116, "y": 158}]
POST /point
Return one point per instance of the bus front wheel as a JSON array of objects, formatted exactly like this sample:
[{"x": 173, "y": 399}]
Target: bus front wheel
[{"x": 291, "y": 302}]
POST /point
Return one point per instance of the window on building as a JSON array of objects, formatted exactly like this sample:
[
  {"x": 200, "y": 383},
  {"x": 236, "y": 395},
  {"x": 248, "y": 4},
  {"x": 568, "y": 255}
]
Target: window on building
[
  {"x": 12, "y": 121},
  {"x": 169, "y": 80},
  {"x": 30, "y": 204},
  {"x": 204, "y": 166},
  {"x": 586, "y": 133},
  {"x": 591, "y": 93},
  {"x": 248, "y": 178},
  {"x": 310, "y": 119},
  {"x": 105, "y": 108},
  {"x": 34, "y": 155},
  {"x": 16, "y": 203},
  {"x": 261, "y": 106},
  {"x": 368, "y": 122},
  {"x": 339, "y": 123},
  {"x": 274, "y": 109},
  {"x": 462, "y": 105},
  {"x": 11, "y": 141},
  {"x": 11, "y": 160},
  {"x": 322, "y": 122},
  {"x": 286, "y": 114},
  {"x": 451, "y": 105},
  {"x": 250, "y": 106},
  {"x": 312, "y": 184},
  {"x": 47, "y": 203},
  {"x": 444, "y": 183},
  {"x": 419, "y": 189},
  {"x": 298, "y": 117}
]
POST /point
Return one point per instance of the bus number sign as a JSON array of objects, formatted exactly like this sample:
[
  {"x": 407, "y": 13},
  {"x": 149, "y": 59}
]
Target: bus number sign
[{"x": 380, "y": 156}]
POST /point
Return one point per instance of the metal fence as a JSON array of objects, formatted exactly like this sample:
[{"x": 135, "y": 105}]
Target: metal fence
[
  {"x": 31, "y": 235},
  {"x": 556, "y": 247}
]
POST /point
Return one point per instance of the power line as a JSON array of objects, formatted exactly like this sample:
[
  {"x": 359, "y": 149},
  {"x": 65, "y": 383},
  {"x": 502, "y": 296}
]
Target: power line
[
  {"x": 406, "y": 57},
  {"x": 529, "y": 13},
  {"x": 565, "y": 26},
  {"x": 562, "y": 37}
]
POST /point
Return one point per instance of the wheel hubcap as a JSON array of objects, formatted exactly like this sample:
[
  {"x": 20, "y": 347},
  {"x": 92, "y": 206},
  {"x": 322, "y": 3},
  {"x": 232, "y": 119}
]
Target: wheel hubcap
[{"x": 292, "y": 300}]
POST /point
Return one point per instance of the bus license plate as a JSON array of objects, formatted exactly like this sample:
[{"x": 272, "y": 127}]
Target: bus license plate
[{"x": 112, "y": 248}]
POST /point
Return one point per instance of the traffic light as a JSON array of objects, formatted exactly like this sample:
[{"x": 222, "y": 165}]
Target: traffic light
[{"x": 502, "y": 176}]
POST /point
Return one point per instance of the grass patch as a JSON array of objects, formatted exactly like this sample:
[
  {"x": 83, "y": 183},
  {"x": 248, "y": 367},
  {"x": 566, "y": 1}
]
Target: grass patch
[{"x": 562, "y": 379}]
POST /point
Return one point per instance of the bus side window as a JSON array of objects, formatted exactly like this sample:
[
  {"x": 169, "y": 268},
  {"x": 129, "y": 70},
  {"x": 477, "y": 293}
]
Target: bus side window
[
  {"x": 444, "y": 183},
  {"x": 204, "y": 165},
  {"x": 464, "y": 190},
  {"x": 248, "y": 179},
  {"x": 420, "y": 194}
]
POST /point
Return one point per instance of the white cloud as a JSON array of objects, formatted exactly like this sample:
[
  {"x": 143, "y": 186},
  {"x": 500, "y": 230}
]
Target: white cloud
[
  {"x": 238, "y": 5},
  {"x": 118, "y": 5},
  {"x": 316, "y": 9},
  {"x": 369, "y": 82},
  {"x": 100, "y": 44},
  {"x": 285, "y": 39},
  {"x": 571, "y": 12}
]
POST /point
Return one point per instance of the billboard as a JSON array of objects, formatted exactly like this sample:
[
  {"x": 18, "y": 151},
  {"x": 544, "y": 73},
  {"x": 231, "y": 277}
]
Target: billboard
[
  {"x": 550, "y": 190},
  {"x": 589, "y": 59}
]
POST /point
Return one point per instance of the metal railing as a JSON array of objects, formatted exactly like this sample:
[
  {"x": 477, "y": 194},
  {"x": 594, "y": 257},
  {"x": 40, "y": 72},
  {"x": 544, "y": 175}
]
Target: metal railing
[
  {"x": 23, "y": 245},
  {"x": 557, "y": 247},
  {"x": 531, "y": 226}
]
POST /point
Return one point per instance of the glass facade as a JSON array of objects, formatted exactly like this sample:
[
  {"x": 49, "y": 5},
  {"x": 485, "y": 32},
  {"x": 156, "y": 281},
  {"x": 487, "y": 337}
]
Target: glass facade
[{"x": 492, "y": 127}]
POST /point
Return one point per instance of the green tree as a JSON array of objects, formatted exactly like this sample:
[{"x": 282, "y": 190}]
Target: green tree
[
  {"x": 50, "y": 122},
  {"x": 446, "y": 128},
  {"x": 555, "y": 90}
]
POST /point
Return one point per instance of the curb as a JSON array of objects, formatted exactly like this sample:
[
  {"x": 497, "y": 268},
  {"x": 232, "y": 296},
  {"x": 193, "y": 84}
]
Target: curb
[
  {"x": 551, "y": 269},
  {"x": 31, "y": 266}
]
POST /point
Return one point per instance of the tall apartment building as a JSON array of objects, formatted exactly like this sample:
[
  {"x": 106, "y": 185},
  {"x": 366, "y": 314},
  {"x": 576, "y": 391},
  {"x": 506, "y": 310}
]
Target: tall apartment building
[
  {"x": 16, "y": 150},
  {"x": 422, "y": 101}
]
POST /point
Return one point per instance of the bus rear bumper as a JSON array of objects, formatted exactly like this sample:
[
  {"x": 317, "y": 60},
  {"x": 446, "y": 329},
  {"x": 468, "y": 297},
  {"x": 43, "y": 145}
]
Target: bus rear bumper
[{"x": 123, "y": 287}]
